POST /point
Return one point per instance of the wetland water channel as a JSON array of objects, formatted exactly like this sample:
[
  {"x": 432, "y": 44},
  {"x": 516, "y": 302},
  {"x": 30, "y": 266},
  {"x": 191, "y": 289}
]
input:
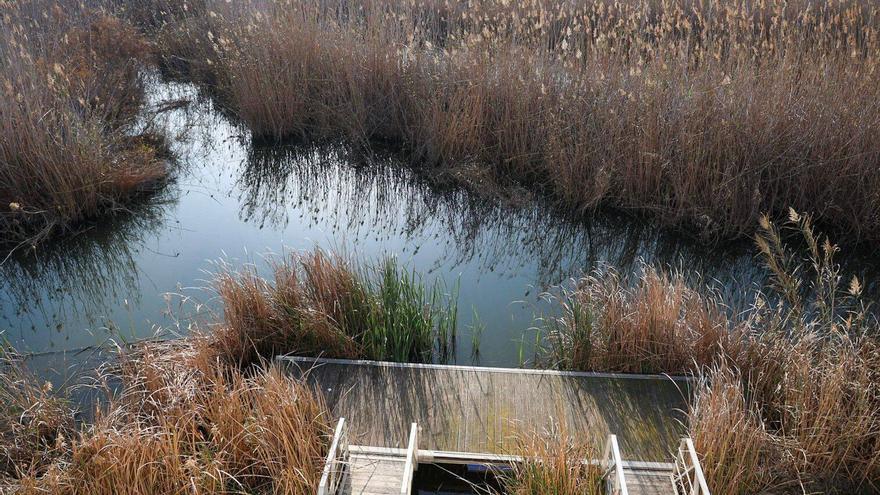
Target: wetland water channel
[{"x": 123, "y": 279}]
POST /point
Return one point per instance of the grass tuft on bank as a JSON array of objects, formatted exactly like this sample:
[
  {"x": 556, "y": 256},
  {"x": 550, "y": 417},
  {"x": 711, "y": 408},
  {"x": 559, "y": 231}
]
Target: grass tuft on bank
[
  {"x": 788, "y": 395},
  {"x": 71, "y": 89},
  {"x": 324, "y": 304}
]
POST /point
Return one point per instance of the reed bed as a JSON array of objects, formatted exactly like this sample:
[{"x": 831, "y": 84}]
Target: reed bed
[
  {"x": 179, "y": 423},
  {"x": 33, "y": 421},
  {"x": 70, "y": 92},
  {"x": 326, "y": 305},
  {"x": 659, "y": 324},
  {"x": 699, "y": 114},
  {"x": 554, "y": 464},
  {"x": 788, "y": 398}
]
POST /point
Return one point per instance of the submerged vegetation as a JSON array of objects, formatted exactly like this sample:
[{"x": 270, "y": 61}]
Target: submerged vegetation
[
  {"x": 789, "y": 395},
  {"x": 71, "y": 90},
  {"x": 699, "y": 114},
  {"x": 326, "y": 305}
]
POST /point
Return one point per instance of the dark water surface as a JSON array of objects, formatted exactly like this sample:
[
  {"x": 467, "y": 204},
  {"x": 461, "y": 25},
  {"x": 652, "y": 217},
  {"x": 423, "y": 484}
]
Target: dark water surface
[{"x": 123, "y": 279}]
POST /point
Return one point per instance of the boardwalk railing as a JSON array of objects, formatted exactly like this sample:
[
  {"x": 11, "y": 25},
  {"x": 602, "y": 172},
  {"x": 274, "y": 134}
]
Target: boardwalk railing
[
  {"x": 615, "y": 482},
  {"x": 412, "y": 460},
  {"x": 337, "y": 460},
  {"x": 689, "y": 478}
]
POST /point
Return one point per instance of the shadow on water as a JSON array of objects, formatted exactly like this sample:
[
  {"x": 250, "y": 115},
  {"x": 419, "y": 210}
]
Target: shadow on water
[
  {"x": 79, "y": 277},
  {"x": 234, "y": 199},
  {"x": 377, "y": 196}
]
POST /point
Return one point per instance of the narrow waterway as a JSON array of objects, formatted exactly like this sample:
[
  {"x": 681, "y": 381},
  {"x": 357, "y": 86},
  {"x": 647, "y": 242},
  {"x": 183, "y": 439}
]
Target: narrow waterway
[{"x": 141, "y": 272}]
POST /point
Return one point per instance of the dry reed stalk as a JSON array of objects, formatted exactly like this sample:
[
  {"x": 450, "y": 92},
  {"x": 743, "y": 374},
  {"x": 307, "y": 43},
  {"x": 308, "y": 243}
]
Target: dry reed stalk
[
  {"x": 321, "y": 304},
  {"x": 554, "y": 464},
  {"x": 34, "y": 423},
  {"x": 789, "y": 397},
  {"x": 182, "y": 423},
  {"x": 658, "y": 325},
  {"x": 700, "y": 114},
  {"x": 70, "y": 90}
]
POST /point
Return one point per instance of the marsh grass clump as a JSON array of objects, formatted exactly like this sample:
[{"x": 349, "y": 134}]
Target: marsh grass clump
[
  {"x": 554, "y": 464},
  {"x": 659, "y": 324},
  {"x": 321, "y": 304},
  {"x": 788, "y": 395},
  {"x": 176, "y": 426},
  {"x": 70, "y": 93},
  {"x": 179, "y": 422},
  {"x": 35, "y": 424},
  {"x": 814, "y": 424},
  {"x": 737, "y": 453},
  {"x": 699, "y": 114}
]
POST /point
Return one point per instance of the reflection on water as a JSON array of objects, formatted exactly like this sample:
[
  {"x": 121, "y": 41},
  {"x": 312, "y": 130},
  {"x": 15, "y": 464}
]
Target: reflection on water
[
  {"x": 234, "y": 200},
  {"x": 76, "y": 279},
  {"x": 376, "y": 197}
]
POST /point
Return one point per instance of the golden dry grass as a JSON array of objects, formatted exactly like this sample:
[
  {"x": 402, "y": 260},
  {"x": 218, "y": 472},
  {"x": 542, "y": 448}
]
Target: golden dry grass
[
  {"x": 321, "y": 304},
  {"x": 789, "y": 396},
  {"x": 70, "y": 90},
  {"x": 182, "y": 423},
  {"x": 701, "y": 114},
  {"x": 33, "y": 421},
  {"x": 659, "y": 324},
  {"x": 554, "y": 463}
]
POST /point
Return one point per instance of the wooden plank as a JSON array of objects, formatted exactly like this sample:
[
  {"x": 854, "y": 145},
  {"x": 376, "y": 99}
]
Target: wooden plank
[
  {"x": 649, "y": 483},
  {"x": 374, "y": 475},
  {"x": 381, "y": 470},
  {"x": 472, "y": 409}
]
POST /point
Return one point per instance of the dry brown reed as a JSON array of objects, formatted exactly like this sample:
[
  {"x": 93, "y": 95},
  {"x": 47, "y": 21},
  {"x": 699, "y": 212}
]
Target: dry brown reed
[
  {"x": 182, "y": 424},
  {"x": 309, "y": 309},
  {"x": 321, "y": 304},
  {"x": 659, "y": 324},
  {"x": 789, "y": 397},
  {"x": 34, "y": 422},
  {"x": 701, "y": 114},
  {"x": 70, "y": 91},
  {"x": 554, "y": 464},
  {"x": 736, "y": 451}
]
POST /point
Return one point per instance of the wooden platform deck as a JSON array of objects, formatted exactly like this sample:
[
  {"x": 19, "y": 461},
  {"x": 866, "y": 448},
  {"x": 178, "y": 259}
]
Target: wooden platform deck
[
  {"x": 382, "y": 474},
  {"x": 374, "y": 474},
  {"x": 482, "y": 410},
  {"x": 649, "y": 482}
]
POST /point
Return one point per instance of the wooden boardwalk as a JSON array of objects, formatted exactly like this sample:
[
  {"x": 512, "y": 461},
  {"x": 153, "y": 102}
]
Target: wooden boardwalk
[
  {"x": 374, "y": 474},
  {"x": 649, "y": 482},
  {"x": 483, "y": 410}
]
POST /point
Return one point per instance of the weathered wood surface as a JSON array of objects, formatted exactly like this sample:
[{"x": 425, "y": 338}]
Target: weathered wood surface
[
  {"x": 471, "y": 409},
  {"x": 370, "y": 474},
  {"x": 640, "y": 482}
]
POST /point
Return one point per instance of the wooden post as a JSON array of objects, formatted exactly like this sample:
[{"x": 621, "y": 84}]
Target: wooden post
[
  {"x": 332, "y": 473},
  {"x": 412, "y": 460}
]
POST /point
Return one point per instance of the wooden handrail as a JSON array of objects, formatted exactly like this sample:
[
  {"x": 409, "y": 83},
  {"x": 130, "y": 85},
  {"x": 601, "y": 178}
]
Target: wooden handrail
[
  {"x": 412, "y": 460},
  {"x": 337, "y": 458},
  {"x": 689, "y": 476},
  {"x": 616, "y": 483}
]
